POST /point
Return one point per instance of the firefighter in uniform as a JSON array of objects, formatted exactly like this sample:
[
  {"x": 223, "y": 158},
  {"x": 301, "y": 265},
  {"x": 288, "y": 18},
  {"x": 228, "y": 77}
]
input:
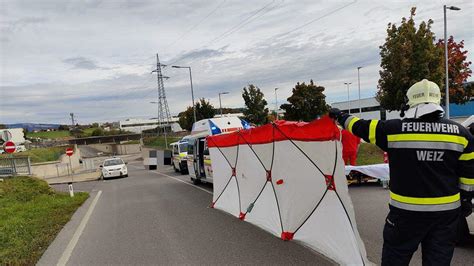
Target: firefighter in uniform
[{"x": 432, "y": 175}]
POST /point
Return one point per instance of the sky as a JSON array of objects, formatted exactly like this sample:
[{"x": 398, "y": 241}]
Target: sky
[{"x": 94, "y": 58}]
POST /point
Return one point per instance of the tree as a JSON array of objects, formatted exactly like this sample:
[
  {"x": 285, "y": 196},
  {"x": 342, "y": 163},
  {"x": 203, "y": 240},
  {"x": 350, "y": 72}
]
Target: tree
[
  {"x": 458, "y": 71},
  {"x": 255, "y": 102},
  {"x": 63, "y": 127},
  {"x": 408, "y": 56},
  {"x": 3, "y": 126},
  {"x": 98, "y": 132},
  {"x": 204, "y": 109},
  {"x": 306, "y": 103}
]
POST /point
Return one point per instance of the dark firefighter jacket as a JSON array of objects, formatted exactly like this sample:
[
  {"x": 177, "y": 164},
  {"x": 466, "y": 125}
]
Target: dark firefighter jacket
[{"x": 431, "y": 159}]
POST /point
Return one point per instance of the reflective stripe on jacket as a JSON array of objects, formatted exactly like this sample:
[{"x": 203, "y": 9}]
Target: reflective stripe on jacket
[{"x": 431, "y": 160}]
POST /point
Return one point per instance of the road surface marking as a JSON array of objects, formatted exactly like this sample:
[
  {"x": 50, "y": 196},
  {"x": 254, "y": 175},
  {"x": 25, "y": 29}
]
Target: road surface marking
[
  {"x": 184, "y": 182},
  {"x": 72, "y": 243},
  {"x": 172, "y": 177}
]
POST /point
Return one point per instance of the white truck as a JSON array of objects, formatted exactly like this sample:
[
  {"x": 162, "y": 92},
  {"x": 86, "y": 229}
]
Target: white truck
[{"x": 198, "y": 159}]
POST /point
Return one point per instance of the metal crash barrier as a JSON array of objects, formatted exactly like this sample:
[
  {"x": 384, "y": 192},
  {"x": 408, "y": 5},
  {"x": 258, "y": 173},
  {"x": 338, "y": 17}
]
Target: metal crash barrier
[{"x": 15, "y": 166}]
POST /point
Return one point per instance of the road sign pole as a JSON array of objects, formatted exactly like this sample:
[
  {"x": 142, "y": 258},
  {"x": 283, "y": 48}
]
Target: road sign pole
[
  {"x": 69, "y": 153},
  {"x": 70, "y": 166}
]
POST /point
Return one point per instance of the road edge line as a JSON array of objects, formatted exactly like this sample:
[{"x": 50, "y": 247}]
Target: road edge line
[{"x": 75, "y": 238}]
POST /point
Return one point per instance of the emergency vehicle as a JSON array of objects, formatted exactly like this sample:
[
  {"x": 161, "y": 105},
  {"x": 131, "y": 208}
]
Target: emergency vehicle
[
  {"x": 179, "y": 154},
  {"x": 198, "y": 158}
]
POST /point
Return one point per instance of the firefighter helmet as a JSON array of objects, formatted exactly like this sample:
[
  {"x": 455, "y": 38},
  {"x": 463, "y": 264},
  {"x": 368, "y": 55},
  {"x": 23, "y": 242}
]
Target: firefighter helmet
[{"x": 424, "y": 91}]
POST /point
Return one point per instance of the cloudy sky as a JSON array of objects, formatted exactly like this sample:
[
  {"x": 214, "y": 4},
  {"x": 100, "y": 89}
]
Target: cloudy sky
[{"x": 95, "y": 57}]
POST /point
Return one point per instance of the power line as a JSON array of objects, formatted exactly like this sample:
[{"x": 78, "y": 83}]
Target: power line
[
  {"x": 221, "y": 36},
  {"x": 239, "y": 25},
  {"x": 314, "y": 20},
  {"x": 195, "y": 26}
]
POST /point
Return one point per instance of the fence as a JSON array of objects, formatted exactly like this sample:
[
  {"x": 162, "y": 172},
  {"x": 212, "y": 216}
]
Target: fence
[{"x": 15, "y": 166}]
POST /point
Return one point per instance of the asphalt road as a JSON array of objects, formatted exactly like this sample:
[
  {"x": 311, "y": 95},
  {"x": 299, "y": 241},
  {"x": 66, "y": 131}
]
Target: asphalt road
[{"x": 151, "y": 218}]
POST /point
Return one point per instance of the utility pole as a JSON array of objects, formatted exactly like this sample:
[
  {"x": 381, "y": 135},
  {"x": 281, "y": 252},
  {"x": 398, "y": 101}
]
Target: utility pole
[
  {"x": 163, "y": 109},
  {"x": 446, "y": 85},
  {"x": 220, "y": 103},
  {"x": 72, "y": 120},
  {"x": 348, "y": 98},
  {"x": 276, "y": 104},
  {"x": 358, "y": 80}
]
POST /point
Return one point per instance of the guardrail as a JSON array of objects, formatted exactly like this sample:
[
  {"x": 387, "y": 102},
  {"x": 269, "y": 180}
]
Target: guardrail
[{"x": 15, "y": 166}]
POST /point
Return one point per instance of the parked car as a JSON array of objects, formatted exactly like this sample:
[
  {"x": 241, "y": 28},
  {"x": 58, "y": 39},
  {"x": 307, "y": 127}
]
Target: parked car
[{"x": 114, "y": 167}]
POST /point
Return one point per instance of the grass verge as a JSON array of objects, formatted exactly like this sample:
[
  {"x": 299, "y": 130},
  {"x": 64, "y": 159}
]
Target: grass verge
[
  {"x": 31, "y": 215},
  {"x": 369, "y": 154},
  {"x": 159, "y": 142},
  {"x": 40, "y": 155}
]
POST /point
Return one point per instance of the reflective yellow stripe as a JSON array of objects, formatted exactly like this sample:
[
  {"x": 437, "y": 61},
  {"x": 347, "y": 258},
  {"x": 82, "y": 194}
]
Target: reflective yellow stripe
[
  {"x": 467, "y": 156},
  {"x": 207, "y": 161},
  {"x": 425, "y": 201},
  {"x": 428, "y": 137},
  {"x": 351, "y": 123},
  {"x": 372, "y": 127},
  {"x": 466, "y": 181}
]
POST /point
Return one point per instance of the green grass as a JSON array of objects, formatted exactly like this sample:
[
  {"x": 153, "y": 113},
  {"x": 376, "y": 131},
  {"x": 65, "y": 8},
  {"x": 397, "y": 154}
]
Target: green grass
[
  {"x": 40, "y": 155},
  {"x": 159, "y": 142},
  {"x": 369, "y": 154},
  {"x": 31, "y": 215},
  {"x": 49, "y": 135},
  {"x": 88, "y": 131}
]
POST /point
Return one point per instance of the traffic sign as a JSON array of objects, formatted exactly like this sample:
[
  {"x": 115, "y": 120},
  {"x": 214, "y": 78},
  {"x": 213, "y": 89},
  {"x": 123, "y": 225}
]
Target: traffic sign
[
  {"x": 6, "y": 135},
  {"x": 69, "y": 151},
  {"x": 9, "y": 147}
]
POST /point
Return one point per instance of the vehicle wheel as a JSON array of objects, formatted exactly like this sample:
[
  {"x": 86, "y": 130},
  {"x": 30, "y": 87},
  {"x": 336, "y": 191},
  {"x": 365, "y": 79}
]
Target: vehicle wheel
[
  {"x": 125, "y": 175},
  {"x": 182, "y": 170},
  {"x": 196, "y": 181}
]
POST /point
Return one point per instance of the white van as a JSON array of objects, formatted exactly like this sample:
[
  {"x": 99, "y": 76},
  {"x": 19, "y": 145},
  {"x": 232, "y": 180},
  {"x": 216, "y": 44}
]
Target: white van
[
  {"x": 179, "y": 156},
  {"x": 198, "y": 158}
]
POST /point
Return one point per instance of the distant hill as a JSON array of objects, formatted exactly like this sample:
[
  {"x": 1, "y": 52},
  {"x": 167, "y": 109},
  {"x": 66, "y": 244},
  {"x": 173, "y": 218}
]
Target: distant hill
[{"x": 33, "y": 126}]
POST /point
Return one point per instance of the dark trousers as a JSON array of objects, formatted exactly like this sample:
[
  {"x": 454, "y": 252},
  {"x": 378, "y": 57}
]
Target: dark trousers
[{"x": 405, "y": 230}]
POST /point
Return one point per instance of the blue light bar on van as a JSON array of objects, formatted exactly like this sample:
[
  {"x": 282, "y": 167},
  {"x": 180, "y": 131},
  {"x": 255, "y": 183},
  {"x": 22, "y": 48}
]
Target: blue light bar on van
[
  {"x": 214, "y": 129},
  {"x": 245, "y": 124}
]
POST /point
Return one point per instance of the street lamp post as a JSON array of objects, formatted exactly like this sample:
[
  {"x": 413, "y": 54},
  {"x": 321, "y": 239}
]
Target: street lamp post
[
  {"x": 446, "y": 56},
  {"x": 220, "y": 103},
  {"x": 192, "y": 90},
  {"x": 158, "y": 125},
  {"x": 276, "y": 104},
  {"x": 358, "y": 81},
  {"x": 348, "y": 101}
]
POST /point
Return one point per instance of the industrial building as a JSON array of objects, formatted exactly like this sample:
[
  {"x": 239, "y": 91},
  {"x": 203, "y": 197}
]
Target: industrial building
[
  {"x": 371, "y": 109},
  {"x": 136, "y": 125}
]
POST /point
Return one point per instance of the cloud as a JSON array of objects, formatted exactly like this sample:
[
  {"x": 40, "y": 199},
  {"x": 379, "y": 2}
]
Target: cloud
[
  {"x": 95, "y": 58},
  {"x": 82, "y": 63}
]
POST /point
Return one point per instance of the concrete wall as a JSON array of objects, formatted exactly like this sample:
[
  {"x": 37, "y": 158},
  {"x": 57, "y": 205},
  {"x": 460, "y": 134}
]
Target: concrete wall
[
  {"x": 57, "y": 168},
  {"x": 117, "y": 149}
]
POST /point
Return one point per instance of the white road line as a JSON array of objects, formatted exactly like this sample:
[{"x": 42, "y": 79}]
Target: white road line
[
  {"x": 75, "y": 238},
  {"x": 177, "y": 179},
  {"x": 184, "y": 182}
]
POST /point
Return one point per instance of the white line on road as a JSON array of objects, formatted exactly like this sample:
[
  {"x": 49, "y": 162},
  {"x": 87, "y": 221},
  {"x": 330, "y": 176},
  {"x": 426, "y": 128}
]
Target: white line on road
[
  {"x": 172, "y": 177},
  {"x": 72, "y": 243},
  {"x": 184, "y": 182}
]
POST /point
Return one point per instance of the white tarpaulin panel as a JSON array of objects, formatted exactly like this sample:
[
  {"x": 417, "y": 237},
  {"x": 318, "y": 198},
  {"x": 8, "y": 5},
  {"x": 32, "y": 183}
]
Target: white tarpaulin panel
[
  {"x": 288, "y": 179},
  {"x": 380, "y": 171}
]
